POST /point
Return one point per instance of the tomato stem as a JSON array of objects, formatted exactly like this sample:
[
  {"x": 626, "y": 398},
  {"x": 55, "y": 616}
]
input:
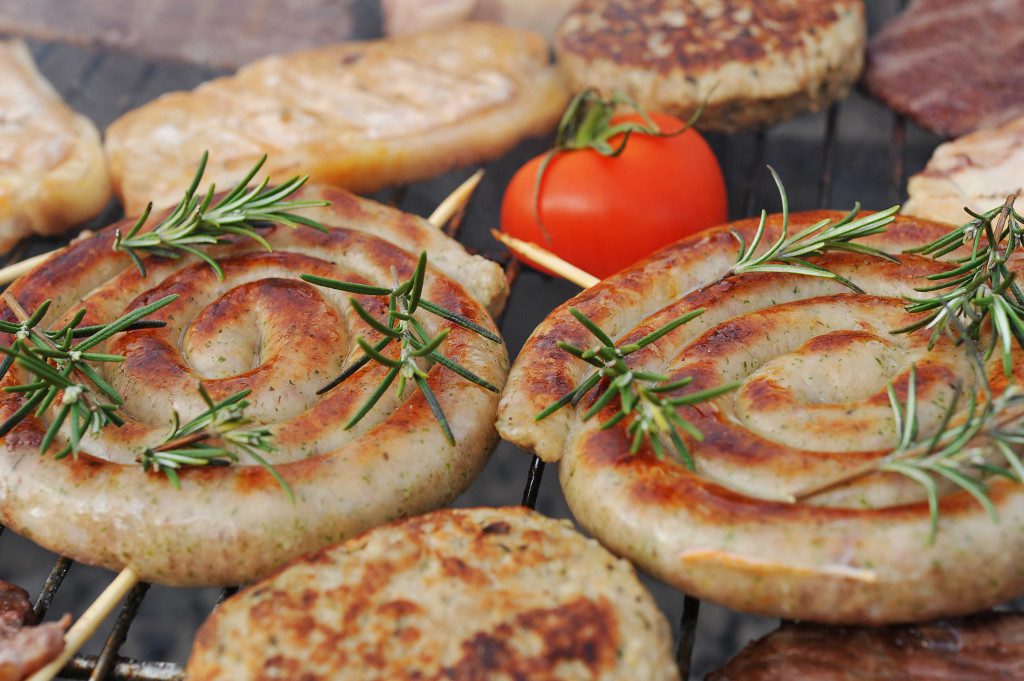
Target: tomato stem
[{"x": 586, "y": 124}]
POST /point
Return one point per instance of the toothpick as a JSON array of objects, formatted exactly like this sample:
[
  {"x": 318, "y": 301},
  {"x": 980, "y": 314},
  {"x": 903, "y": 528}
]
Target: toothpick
[
  {"x": 15, "y": 270},
  {"x": 546, "y": 259},
  {"x": 82, "y": 630},
  {"x": 455, "y": 202}
]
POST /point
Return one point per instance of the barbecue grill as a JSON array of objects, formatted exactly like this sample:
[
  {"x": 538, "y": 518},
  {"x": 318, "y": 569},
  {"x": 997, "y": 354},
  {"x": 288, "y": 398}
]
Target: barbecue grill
[{"x": 857, "y": 149}]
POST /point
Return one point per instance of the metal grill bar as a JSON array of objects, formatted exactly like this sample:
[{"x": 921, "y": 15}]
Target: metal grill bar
[
  {"x": 120, "y": 631},
  {"x": 50, "y": 586}
]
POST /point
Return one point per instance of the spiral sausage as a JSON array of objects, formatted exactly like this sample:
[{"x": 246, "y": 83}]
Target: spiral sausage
[
  {"x": 813, "y": 360},
  {"x": 265, "y": 330}
]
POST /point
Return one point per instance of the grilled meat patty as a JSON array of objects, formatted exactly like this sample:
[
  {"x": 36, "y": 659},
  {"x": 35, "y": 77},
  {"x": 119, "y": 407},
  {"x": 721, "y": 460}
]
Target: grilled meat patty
[
  {"x": 984, "y": 647},
  {"x": 813, "y": 361},
  {"x": 457, "y": 594},
  {"x": 357, "y": 115},
  {"x": 52, "y": 171},
  {"x": 755, "y": 63},
  {"x": 977, "y": 171},
  {"x": 260, "y": 328},
  {"x": 951, "y": 66}
]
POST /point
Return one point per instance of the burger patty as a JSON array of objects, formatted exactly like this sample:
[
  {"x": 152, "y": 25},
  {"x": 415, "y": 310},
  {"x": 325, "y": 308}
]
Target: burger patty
[
  {"x": 483, "y": 593},
  {"x": 755, "y": 63}
]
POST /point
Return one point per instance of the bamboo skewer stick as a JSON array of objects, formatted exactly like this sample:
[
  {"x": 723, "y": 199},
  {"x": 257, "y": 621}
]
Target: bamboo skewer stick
[
  {"x": 82, "y": 630},
  {"x": 15, "y": 270},
  {"x": 455, "y": 202},
  {"x": 546, "y": 259},
  {"x": 445, "y": 211}
]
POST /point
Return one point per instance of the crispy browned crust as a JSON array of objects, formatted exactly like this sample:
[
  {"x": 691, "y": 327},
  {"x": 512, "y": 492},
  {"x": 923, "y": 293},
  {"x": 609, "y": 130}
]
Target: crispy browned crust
[
  {"x": 263, "y": 329},
  {"x": 460, "y": 594},
  {"x": 754, "y": 62},
  {"x": 813, "y": 361},
  {"x": 931, "y": 64},
  {"x": 977, "y": 648}
]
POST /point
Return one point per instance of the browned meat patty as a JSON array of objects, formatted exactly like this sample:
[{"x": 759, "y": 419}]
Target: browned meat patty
[
  {"x": 984, "y": 647},
  {"x": 951, "y": 66},
  {"x": 486, "y": 594},
  {"x": 755, "y": 62}
]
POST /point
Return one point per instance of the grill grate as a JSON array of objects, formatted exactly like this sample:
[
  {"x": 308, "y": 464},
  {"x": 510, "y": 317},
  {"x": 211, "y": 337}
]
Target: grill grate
[{"x": 151, "y": 80}]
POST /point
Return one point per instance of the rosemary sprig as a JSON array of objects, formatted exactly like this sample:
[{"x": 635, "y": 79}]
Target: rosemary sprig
[
  {"x": 196, "y": 221},
  {"x": 644, "y": 396},
  {"x": 960, "y": 453},
  {"x": 980, "y": 286},
  {"x": 790, "y": 253},
  {"x": 416, "y": 346},
  {"x": 58, "y": 365},
  {"x": 213, "y": 438}
]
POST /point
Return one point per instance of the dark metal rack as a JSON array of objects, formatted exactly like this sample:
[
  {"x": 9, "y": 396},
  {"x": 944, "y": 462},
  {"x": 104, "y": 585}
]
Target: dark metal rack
[{"x": 151, "y": 79}]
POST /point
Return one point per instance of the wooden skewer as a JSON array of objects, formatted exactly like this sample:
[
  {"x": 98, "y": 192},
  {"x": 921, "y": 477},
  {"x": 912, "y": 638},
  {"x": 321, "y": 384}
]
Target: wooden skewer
[
  {"x": 456, "y": 201},
  {"x": 15, "y": 270},
  {"x": 547, "y": 259},
  {"x": 82, "y": 630},
  {"x": 445, "y": 211}
]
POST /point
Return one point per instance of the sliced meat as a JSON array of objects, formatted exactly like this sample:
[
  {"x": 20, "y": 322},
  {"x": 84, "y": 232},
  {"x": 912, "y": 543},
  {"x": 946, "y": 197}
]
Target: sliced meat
[
  {"x": 455, "y": 595},
  {"x": 410, "y": 16},
  {"x": 755, "y": 63},
  {"x": 52, "y": 172},
  {"x": 359, "y": 115},
  {"x": 984, "y": 647},
  {"x": 978, "y": 171},
  {"x": 25, "y": 648},
  {"x": 226, "y": 33},
  {"x": 951, "y": 66}
]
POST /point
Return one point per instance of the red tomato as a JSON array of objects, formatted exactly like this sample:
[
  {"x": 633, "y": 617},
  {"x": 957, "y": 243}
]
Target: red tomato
[{"x": 604, "y": 213}]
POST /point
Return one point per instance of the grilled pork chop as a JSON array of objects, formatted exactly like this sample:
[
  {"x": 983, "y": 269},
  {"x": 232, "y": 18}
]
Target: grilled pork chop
[
  {"x": 977, "y": 171},
  {"x": 813, "y": 361},
  {"x": 358, "y": 115},
  {"x": 985, "y": 647},
  {"x": 456, "y": 595},
  {"x": 52, "y": 171},
  {"x": 951, "y": 66}
]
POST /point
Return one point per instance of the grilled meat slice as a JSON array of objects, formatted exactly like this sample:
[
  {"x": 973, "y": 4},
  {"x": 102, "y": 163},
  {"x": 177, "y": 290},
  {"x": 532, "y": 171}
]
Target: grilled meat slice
[
  {"x": 358, "y": 115},
  {"x": 984, "y": 647},
  {"x": 951, "y": 66},
  {"x": 25, "y": 648},
  {"x": 52, "y": 171}
]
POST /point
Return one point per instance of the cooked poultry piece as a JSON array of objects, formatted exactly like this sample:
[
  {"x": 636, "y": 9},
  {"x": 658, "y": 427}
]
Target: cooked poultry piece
[
  {"x": 260, "y": 328},
  {"x": 357, "y": 115},
  {"x": 921, "y": 65},
  {"x": 984, "y": 647},
  {"x": 753, "y": 63},
  {"x": 487, "y": 593},
  {"x": 813, "y": 361},
  {"x": 52, "y": 172},
  {"x": 977, "y": 171},
  {"x": 25, "y": 646}
]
